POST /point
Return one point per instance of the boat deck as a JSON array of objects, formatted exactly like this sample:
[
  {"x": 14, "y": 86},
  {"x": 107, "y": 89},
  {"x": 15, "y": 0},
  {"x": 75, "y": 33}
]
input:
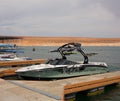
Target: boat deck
[{"x": 54, "y": 90}]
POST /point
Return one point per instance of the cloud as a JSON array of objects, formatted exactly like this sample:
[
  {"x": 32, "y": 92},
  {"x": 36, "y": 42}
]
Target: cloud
[
  {"x": 86, "y": 18},
  {"x": 112, "y": 5}
]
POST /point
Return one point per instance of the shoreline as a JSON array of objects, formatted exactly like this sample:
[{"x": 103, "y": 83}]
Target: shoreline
[
  {"x": 83, "y": 44},
  {"x": 58, "y": 41}
]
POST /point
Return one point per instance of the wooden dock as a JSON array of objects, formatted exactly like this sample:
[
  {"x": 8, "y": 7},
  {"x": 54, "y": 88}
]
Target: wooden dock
[
  {"x": 22, "y": 62},
  {"x": 8, "y": 68},
  {"x": 53, "y": 90}
]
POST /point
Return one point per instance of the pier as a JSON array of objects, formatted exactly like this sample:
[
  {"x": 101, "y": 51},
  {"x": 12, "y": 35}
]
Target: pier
[
  {"x": 22, "y": 62},
  {"x": 8, "y": 67},
  {"x": 51, "y": 90}
]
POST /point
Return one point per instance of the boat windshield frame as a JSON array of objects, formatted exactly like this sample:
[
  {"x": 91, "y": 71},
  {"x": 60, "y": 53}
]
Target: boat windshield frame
[{"x": 69, "y": 48}]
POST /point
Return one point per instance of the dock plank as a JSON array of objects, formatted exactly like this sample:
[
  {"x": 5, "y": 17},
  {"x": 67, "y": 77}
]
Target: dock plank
[
  {"x": 22, "y": 62},
  {"x": 93, "y": 82},
  {"x": 57, "y": 89},
  {"x": 11, "y": 92}
]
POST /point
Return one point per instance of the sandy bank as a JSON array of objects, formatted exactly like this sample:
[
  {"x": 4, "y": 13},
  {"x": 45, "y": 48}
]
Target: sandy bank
[{"x": 57, "y": 41}]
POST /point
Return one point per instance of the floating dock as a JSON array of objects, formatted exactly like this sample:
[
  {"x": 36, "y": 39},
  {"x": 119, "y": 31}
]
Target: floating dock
[
  {"x": 8, "y": 67},
  {"x": 22, "y": 90},
  {"x": 53, "y": 90},
  {"x": 21, "y": 63}
]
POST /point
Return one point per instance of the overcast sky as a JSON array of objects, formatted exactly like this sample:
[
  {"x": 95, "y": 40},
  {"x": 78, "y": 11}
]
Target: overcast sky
[{"x": 75, "y": 18}]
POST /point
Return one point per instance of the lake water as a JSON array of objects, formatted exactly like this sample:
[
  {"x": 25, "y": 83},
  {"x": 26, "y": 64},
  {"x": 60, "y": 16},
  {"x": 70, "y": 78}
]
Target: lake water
[{"x": 110, "y": 55}]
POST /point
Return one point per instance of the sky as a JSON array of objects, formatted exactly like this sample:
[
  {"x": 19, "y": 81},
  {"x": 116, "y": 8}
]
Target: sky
[{"x": 62, "y": 18}]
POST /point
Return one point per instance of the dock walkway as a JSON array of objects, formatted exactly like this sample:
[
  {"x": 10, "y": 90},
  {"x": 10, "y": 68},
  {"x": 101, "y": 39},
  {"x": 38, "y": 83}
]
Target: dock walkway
[
  {"x": 24, "y": 90},
  {"x": 8, "y": 67}
]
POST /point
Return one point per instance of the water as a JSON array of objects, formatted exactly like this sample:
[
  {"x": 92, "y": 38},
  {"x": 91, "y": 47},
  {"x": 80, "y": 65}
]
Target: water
[{"x": 110, "y": 55}]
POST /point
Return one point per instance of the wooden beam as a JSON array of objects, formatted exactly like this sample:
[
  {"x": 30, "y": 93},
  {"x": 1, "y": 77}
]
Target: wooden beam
[
  {"x": 77, "y": 87},
  {"x": 23, "y": 62}
]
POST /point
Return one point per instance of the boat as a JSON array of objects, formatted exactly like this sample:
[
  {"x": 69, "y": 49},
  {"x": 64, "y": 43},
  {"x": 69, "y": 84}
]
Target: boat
[
  {"x": 8, "y": 52},
  {"x": 12, "y": 57},
  {"x": 62, "y": 67},
  {"x": 10, "y": 48}
]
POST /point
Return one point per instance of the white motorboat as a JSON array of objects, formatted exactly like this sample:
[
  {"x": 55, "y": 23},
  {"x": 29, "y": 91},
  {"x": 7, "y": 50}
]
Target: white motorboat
[{"x": 62, "y": 67}]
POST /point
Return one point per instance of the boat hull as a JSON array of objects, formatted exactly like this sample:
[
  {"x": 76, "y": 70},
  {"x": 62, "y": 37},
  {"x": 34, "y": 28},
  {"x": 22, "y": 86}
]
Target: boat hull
[{"x": 53, "y": 74}]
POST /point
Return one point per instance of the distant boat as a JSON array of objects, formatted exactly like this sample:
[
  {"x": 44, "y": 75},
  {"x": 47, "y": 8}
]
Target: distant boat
[
  {"x": 62, "y": 67},
  {"x": 10, "y": 48},
  {"x": 12, "y": 57},
  {"x": 7, "y": 53}
]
